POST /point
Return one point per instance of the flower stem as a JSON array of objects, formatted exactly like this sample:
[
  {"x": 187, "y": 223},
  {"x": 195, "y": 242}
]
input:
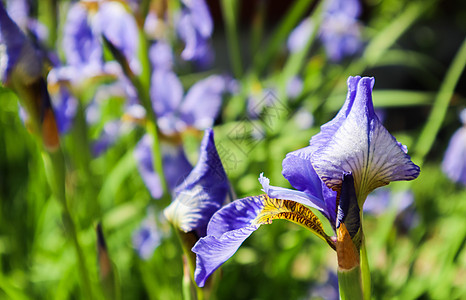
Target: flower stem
[
  {"x": 55, "y": 170},
  {"x": 229, "y": 9},
  {"x": 349, "y": 283},
  {"x": 365, "y": 271}
]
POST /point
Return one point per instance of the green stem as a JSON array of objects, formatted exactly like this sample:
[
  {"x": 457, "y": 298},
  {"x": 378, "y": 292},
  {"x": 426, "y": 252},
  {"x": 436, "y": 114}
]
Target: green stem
[
  {"x": 439, "y": 110},
  {"x": 55, "y": 170},
  {"x": 365, "y": 271},
  {"x": 349, "y": 283},
  {"x": 229, "y": 10}
]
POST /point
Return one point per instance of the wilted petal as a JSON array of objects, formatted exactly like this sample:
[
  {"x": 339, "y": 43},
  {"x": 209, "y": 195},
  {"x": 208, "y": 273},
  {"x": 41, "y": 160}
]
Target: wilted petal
[
  {"x": 362, "y": 146},
  {"x": 202, "y": 193},
  {"x": 203, "y": 102}
]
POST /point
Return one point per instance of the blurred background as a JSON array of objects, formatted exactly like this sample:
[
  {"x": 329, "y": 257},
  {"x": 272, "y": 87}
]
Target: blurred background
[{"x": 294, "y": 55}]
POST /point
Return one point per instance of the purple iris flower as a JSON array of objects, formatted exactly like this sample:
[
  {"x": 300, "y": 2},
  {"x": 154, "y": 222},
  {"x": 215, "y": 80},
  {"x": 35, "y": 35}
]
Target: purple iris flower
[
  {"x": 175, "y": 164},
  {"x": 81, "y": 44},
  {"x": 198, "y": 108},
  {"x": 340, "y": 30},
  {"x": 201, "y": 193},
  {"x": 195, "y": 28},
  {"x": 352, "y": 155},
  {"x": 454, "y": 161},
  {"x": 116, "y": 23}
]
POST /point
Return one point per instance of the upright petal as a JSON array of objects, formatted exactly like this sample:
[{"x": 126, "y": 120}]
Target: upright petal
[
  {"x": 202, "y": 193},
  {"x": 362, "y": 146},
  {"x": 328, "y": 129}
]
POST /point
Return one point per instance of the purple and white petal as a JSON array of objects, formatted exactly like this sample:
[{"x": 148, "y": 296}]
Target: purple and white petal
[
  {"x": 227, "y": 230},
  {"x": 362, "y": 146},
  {"x": 202, "y": 193}
]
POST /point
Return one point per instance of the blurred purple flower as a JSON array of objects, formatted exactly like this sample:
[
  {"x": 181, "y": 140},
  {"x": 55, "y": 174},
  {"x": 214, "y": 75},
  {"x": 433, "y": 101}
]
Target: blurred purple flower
[
  {"x": 175, "y": 113},
  {"x": 148, "y": 237},
  {"x": 114, "y": 21},
  {"x": 299, "y": 37},
  {"x": 294, "y": 87},
  {"x": 81, "y": 44},
  {"x": 327, "y": 290},
  {"x": 175, "y": 165},
  {"x": 379, "y": 201},
  {"x": 454, "y": 161},
  {"x": 340, "y": 29},
  {"x": 195, "y": 28},
  {"x": 202, "y": 193}
]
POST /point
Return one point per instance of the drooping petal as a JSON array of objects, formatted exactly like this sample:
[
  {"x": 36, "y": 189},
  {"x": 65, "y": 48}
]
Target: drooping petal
[
  {"x": 202, "y": 193},
  {"x": 362, "y": 146},
  {"x": 235, "y": 222},
  {"x": 203, "y": 102}
]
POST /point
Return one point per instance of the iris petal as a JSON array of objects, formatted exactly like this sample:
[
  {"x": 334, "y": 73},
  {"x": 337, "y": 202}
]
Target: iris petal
[
  {"x": 362, "y": 146},
  {"x": 289, "y": 194},
  {"x": 328, "y": 129},
  {"x": 227, "y": 230},
  {"x": 202, "y": 193}
]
